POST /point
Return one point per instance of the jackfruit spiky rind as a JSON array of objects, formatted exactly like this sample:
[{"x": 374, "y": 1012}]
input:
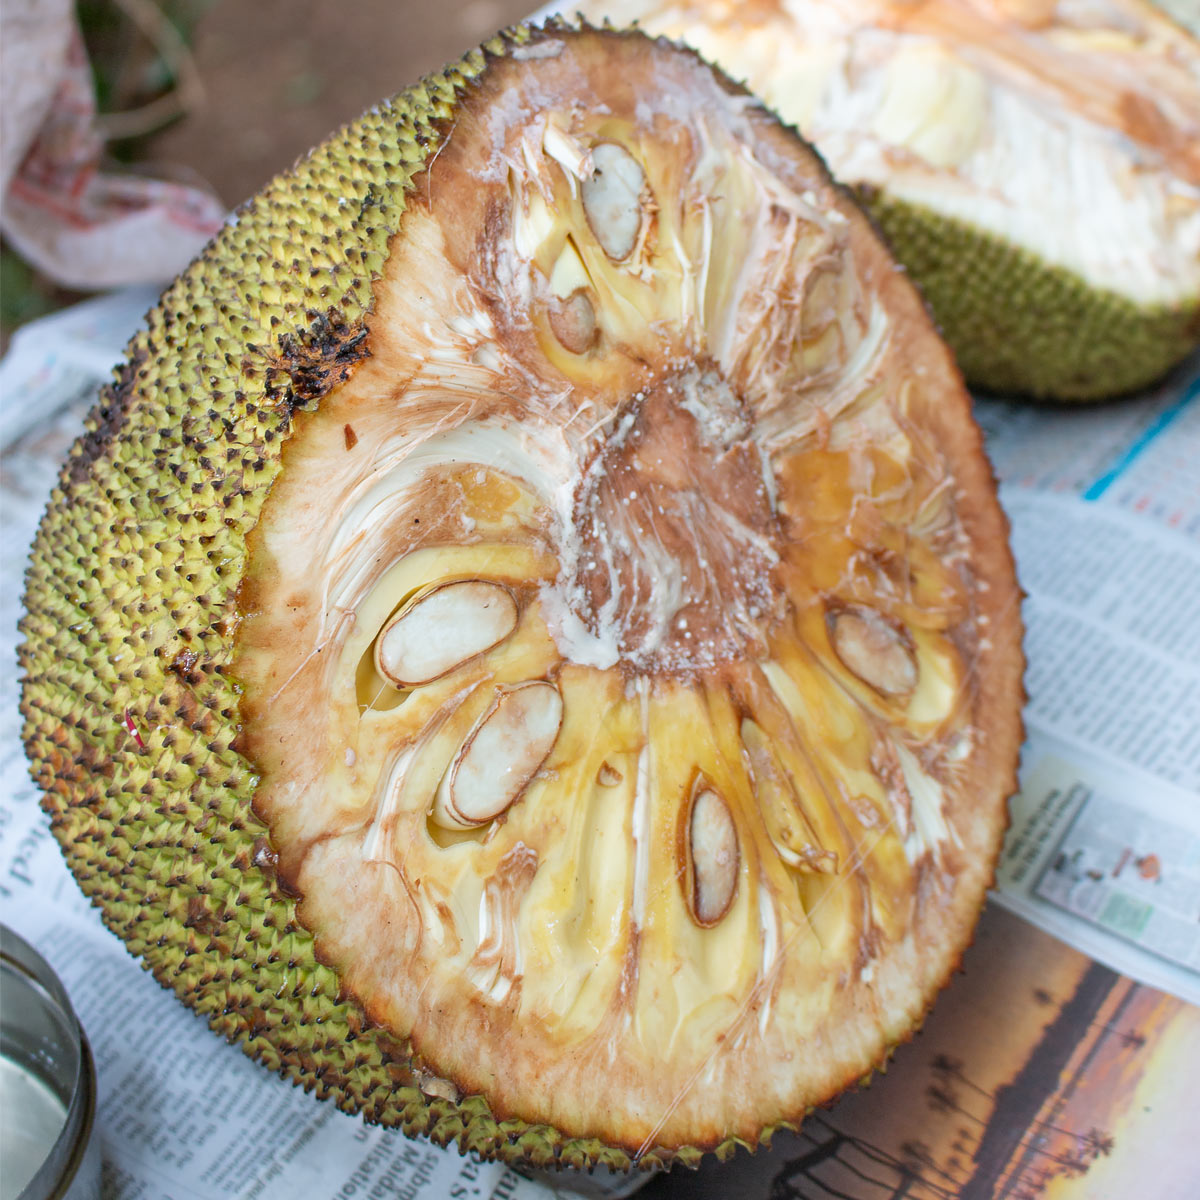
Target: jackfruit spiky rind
[
  {"x": 131, "y": 713},
  {"x": 1056, "y": 336},
  {"x": 131, "y": 716}
]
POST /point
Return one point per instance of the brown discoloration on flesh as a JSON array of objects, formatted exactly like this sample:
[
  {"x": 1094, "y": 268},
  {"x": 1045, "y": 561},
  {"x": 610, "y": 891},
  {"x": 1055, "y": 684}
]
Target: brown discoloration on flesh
[
  {"x": 1143, "y": 120},
  {"x": 449, "y": 928},
  {"x": 661, "y": 482},
  {"x": 608, "y": 775},
  {"x": 1112, "y": 88},
  {"x": 573, "y": 321}
]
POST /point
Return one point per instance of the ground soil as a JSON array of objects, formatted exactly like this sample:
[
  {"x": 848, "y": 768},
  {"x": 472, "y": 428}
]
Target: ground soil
[{"x": 279, "y": 75}]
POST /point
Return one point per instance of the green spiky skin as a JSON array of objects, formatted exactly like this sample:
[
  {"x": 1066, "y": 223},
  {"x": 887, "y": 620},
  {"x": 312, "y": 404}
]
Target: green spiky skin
[
  {"x": 131, "y": 715},
  {"x": 1055, "y": 336}
]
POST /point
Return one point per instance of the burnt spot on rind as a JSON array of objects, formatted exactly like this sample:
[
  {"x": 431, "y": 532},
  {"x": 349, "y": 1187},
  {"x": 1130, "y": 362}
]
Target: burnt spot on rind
[
  {"x": 199, "y": 917},
  {"x": 265, "y": 857},
  {"x": 311, "y": 362},
  {"x": 183, "y": 665},
  {"x": 106, "y": 419}
]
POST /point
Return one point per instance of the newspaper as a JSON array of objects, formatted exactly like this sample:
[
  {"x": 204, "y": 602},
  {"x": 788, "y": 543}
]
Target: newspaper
[
  {"x": 1104, "y": 852},
  {"x": 1104, "y": 849},
  {"x": 1040, "y": 1072}
]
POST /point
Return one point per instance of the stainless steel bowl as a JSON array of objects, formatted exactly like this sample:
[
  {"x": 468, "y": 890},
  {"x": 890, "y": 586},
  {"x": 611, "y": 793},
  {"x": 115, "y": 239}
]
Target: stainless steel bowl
[{"x": 47, "y": 1081}]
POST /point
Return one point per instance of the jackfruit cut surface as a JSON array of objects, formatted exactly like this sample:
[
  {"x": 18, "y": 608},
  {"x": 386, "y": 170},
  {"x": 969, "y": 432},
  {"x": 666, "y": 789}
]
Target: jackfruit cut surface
[
  {"x": 1035, "y": 165},
  {"x": 602, "y": 601}
]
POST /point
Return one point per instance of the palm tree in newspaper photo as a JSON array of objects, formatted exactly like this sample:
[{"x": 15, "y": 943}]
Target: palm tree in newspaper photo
[
  {"x": 1032, "y": 1103},
  {"x": 837, "y": 1162}
]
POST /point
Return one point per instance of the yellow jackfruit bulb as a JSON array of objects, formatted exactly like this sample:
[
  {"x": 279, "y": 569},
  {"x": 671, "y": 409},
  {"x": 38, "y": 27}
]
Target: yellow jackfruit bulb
[
  {"x": 528, "y": 644},
  {"x": 1035, "y": 166}
]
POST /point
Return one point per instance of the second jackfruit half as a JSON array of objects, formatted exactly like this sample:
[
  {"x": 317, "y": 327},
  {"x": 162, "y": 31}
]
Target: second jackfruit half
[{"x": 1035, "y": 167}]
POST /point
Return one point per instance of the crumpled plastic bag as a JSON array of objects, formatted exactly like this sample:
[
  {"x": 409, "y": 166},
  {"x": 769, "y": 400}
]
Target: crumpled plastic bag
[{"x": 83, "y": 227}]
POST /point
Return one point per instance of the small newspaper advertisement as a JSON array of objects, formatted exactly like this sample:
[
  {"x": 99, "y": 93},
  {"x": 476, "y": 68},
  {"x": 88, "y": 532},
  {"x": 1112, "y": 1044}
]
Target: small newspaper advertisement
[
  {"x": 1072, "y": 1036},
  {"x": 1104, "y": 849}
]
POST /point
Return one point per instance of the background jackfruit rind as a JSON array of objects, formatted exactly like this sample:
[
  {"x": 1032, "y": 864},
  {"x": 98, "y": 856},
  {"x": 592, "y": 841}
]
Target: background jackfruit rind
[
  {"x": 1019, "y": 326},
  {"x": 130, "y": 713}
]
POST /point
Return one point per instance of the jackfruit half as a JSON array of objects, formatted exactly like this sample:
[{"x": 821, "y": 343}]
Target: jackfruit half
[
  {"x": 528, "y": 645},
  {"x": 1034, "y": 164}
]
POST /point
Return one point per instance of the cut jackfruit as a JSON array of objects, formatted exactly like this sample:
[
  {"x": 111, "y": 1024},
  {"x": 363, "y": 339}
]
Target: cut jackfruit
[
  {"x": 1034, "y": 165},
  {"x": 528, "y": 645}
]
